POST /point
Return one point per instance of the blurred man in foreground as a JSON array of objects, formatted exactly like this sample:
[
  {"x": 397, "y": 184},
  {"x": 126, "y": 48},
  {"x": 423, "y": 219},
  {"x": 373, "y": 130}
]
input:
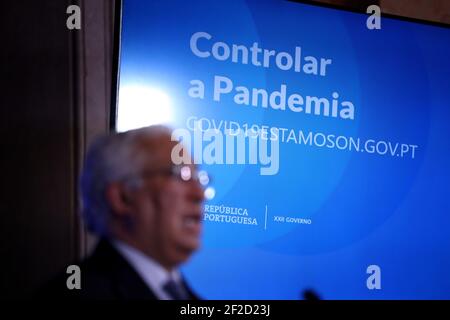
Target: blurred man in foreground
[{"x": 147, "y": 213}]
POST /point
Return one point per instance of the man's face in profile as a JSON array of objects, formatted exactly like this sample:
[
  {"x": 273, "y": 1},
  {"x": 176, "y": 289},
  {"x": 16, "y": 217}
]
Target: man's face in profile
[{"x": 167, "y": 210}]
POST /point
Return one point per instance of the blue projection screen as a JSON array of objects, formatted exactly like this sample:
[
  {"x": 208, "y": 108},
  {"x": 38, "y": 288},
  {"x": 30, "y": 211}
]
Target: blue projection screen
[{"x": 340, "y": 182}]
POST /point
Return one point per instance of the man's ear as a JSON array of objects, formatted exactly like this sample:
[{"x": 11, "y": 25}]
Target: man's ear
[{"x": 119, "y": 199}]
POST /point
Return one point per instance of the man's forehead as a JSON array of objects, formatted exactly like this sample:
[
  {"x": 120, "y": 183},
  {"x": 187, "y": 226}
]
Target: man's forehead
[
  {"x": 158, "y": 145},
  {"x": 160, "y": 142},
  {"x": 158, "y": 149}
]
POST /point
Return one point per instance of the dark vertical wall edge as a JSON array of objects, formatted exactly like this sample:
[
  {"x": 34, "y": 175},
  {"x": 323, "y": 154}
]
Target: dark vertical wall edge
[{"x": 116, "y": 63}]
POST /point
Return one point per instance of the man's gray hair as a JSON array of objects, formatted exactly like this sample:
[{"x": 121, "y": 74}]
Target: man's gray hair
[{"x": 111, "y": 158}]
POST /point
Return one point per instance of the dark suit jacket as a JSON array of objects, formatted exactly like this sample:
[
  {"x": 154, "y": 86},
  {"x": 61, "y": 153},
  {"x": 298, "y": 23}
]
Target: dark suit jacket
[{"x": 104, "y": 275}]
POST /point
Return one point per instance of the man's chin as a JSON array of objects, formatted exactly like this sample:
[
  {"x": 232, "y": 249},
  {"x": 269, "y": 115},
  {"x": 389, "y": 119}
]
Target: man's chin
[
  {"x": 181, "y": 253},
  {"x": 189, "y": 248}
]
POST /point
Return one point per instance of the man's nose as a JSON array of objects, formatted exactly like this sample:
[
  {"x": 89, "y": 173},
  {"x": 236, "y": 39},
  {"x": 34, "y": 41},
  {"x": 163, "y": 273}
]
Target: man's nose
[{"x": 196, "y": 191}]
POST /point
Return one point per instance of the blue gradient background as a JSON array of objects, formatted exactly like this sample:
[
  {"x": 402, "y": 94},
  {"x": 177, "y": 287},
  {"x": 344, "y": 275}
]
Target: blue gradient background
[{"x": 366, "y": 209}]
